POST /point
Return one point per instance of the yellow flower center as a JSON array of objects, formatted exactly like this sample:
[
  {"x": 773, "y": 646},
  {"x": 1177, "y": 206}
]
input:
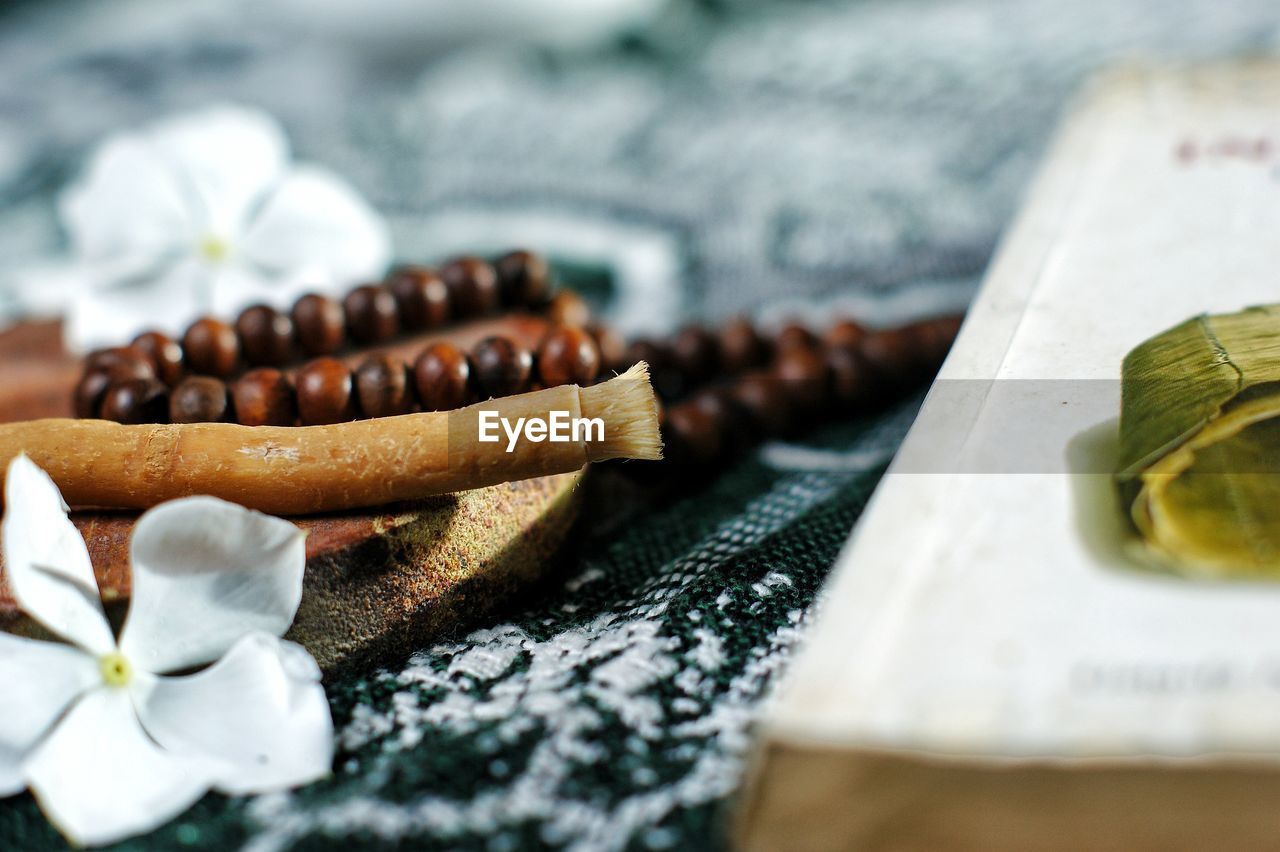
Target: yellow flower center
[
  {"x": 115, "y": 669},
  {"x": 214, "y": 249}
]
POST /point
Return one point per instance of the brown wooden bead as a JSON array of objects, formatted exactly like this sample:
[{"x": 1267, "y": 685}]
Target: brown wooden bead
[
  {"x": 383, "y": 387},
  {"x": 500, "y": 367},
  {"x": 319, "y": 324},
  {"x": 568, "y": 308},
  {"x": 86, "y": 400},
  {"x": 442, "y": 376},
  {"x": 568, "y": 356},
  {"x": 105, "y": 367},
  {"x": 613, "y": 349},
  {"x": 846, "y": 333},
  {"x": 199, "y": 399},
  {"x": 933, "y": 339},
  {"x": 266, "y": 336},
  {"x": 667, "y": 381},
  {"x": 891, "y": 354},
  {"x": 523, "y": 278},
  {"x": 738, "y": 431},
  {"x": 372, "y": 316},
  {"x": 695, "y": 353},
  {"x": 326, "y": 393},
  {"x": 473, "y": 286},
  {"x": 421, "y": 296},
  {"x": 164, "y": 353},
  {"x": 653, "y": 353},
  {"x": 264, "y": 397},
  {"x": 211, "y": 348},
  {"x": 852, "y": 381},
  {"x": 124, "y": 359},
  {"x": 803, "y": 373},
  {"x": 92, "y": 387},
  {"x": 794, "y": 334},
  {"x": 136, "y": 401},
  {"x": 766, "y": 402},
  {"x": 691, "y": 435},
  {"x": 742, "y": 347}
]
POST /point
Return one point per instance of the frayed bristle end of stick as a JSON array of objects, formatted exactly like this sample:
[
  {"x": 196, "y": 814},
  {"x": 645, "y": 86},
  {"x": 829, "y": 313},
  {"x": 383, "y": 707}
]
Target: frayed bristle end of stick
[{"x": 629, "y": 408}]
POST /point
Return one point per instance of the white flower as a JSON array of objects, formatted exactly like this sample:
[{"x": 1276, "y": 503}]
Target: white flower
[
  {"x": 202, "y": 213},
  {"x": 108, "y": 746}
]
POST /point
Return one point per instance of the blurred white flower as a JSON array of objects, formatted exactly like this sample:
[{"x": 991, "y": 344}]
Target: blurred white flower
[
  {"x": 203, "y": 213},
  {"x": 108, "y": 746}
]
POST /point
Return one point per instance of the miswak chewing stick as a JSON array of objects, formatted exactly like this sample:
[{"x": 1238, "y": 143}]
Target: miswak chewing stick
[{"x": 299, "y": 470}]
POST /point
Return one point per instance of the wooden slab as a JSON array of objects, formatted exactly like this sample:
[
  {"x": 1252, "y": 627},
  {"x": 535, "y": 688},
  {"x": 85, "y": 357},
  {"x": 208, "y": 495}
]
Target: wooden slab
[{"x": 377, "y": 582}]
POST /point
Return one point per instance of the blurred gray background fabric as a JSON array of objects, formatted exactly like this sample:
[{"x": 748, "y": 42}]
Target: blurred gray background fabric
[{"x": 697, "y": 159}]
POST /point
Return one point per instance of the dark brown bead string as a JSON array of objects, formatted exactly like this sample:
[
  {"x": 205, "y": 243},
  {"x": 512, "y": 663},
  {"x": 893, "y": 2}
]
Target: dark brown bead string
[
  {"x": 264, "y": 397},
  {"x": 383, "y": 388},
  {"x": 200, "y": 399},
  {"x": 211, "y": 347},
  {"x": 807, "y": 377},
  {"x": 266, "y": 336},
  {"x": 777, "y": 382},
  {"x": 442, "y": 377},
  {"x": 410, "y": 300}
]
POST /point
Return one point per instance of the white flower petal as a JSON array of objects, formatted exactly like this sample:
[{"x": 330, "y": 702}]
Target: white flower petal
[
  {"x": 40, "y": 680},
  {"x": 229, "y": 158},
  {"x": 45, "y": 560},
  {"x": 205, "y": 573},
  {"x": 128, "y": 208},
  {"x": 99, "y": 777},
  {"x": 260, "y": 711},
  {"x": 240, "y": 285},
  {"x": 45, "y": 287},
  {"x": 168, "y": 301},
  {"x": 315, "y": 220}
]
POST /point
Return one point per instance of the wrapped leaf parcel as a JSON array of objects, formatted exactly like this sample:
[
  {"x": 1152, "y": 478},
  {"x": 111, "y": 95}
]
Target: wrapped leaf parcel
[{"x": 1200, "y": 444}]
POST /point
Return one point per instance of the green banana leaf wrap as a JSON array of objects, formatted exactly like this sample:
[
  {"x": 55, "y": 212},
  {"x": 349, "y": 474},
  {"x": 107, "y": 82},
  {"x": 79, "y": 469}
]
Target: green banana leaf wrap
[{"x": 1200, "y": 444}]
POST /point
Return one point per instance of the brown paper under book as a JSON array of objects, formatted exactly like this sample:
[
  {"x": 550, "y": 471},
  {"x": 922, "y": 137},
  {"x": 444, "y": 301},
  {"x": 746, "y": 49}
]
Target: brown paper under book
[
  {"x": 990, "y": 668},
  {"x": 300, "y": 470}
]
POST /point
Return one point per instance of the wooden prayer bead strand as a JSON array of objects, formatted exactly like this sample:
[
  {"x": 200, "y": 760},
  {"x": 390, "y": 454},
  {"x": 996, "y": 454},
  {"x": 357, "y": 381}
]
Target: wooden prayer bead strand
[
  {"x": 421, "y": 296},
  {"x": 98, "y": 378},
  {"x": 266, "y": 336},
  {"x": 326, "y": 393},
  {"x": 846, "y": 332},
  {"x": 568, "y": 308},
  {"x": 442, "y": 377},
  {"x": 264, "y": 397},
  {"x": 164, "y": 353},
  {"x": 742, "y": 347},
  {"x": 210, "y": 347},
  {"x": 613, "y": 349},
  {"x": 523, "y": 278},
  {"x": 319, "y": 324},
  {"x": 200, "y": 399},
  {"x": 568, "y": 356},
  {"x": 372, "y": 314},
  {"x": 473, "y": 286},
  {"x": 500, "y": 367},
  {"x": 807, "y": 379},
  {"x": 383, "y": 387},
  {"x": 792, "y": 335},
  {"x": 803, "y": 373},
  {"x": 120, "y": 358},
  {"x": 136, "y": 401}
]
